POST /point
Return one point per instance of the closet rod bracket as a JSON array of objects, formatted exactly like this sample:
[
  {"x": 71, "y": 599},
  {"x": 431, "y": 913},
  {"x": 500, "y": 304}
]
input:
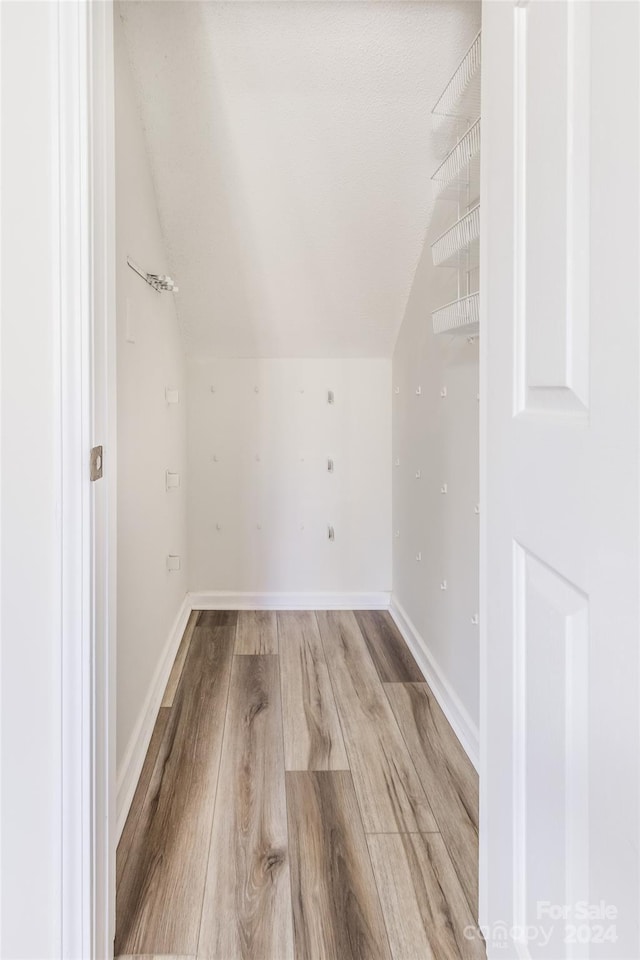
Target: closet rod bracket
[{"x": 158, "y": 281}]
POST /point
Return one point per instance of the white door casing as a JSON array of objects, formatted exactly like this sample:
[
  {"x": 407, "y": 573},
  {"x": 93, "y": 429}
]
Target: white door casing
[
  {"x": 85, "y": 181},
  {"x": 560, "y": 523},
  {"x": 101, "y": 149},
  {"x": 57, "y": 528}
]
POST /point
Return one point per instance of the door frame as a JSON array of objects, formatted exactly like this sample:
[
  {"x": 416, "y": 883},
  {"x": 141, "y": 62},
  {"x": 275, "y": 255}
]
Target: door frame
[
  {"x": 88, "y": 335},
  {"x": 84, "y": 186}
]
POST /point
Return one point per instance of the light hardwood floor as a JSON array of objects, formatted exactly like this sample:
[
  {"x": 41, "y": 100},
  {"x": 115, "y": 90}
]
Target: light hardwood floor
[{"x": 304, "y": 797}]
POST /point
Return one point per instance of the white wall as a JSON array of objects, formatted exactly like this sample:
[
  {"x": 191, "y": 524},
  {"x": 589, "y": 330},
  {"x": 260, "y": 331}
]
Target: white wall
[
  {"x": 30, "y": 641},
  {"x": 291, "y": 427},
  {"x": 438, "y": 437},
  {"x": 151, "y": 433}
]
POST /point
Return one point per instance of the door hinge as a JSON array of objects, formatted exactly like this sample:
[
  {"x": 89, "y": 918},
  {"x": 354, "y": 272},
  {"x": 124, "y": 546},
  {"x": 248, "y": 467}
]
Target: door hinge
[{"x": 96, "y": 463}]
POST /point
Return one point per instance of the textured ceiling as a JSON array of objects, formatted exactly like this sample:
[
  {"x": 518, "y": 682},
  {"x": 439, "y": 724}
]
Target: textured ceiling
[{"x": 290, "y": 144}]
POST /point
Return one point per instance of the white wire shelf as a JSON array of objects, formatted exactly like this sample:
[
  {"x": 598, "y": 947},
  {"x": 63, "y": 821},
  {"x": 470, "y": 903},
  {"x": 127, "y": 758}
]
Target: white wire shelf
[
  {"x": 458, "y": 317},
  {"x": 458, "y": 167},
  {"x": 459, "y": 246},
  {"x": 461, "y": 96},
  {"x": 456, "y": 116}
]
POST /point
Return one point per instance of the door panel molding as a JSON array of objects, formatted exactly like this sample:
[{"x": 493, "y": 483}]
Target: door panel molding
[
  {"x": 551, "y": 106},
  {"x": 551, "y": 625}
]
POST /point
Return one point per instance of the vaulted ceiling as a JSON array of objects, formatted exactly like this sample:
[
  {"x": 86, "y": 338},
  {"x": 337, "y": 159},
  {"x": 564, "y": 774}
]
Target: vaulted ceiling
[{"x": 290, "y": 145}]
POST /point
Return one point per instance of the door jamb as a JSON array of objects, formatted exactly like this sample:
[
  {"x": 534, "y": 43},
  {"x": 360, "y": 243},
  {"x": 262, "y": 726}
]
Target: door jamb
[{"x": 86, "y": 196}]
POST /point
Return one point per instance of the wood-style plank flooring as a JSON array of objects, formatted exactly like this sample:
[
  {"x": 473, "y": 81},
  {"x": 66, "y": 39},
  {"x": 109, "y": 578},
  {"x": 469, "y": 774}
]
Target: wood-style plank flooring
[{"x": 304, "y": 797}]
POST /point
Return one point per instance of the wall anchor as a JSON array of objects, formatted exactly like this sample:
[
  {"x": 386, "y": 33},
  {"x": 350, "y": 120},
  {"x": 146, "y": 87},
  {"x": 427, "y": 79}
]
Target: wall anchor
[{"x": 172, "y": 480}]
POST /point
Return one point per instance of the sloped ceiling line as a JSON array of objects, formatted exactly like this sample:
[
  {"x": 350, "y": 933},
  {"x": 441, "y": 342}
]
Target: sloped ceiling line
[{"x": 291, "y": 148}]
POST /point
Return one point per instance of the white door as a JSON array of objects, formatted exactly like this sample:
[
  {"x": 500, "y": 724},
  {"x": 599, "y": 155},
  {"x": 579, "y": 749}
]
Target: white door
[{"x": 560, "y": 480}]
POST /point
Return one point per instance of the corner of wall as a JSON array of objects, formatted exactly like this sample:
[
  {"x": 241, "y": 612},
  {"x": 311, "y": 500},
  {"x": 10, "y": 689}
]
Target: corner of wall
[
  {"x": 436, "y": 490},
  {"x": 454, "y": 710},
  {"x": 130, "y": 766}
]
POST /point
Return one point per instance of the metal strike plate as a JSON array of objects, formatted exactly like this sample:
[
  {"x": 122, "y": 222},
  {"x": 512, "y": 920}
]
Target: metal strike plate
[{"x": 95, "y": 462}]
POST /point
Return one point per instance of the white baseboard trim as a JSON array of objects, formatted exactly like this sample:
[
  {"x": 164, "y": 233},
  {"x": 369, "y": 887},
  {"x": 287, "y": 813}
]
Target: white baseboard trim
[
  {"x": 131, "y": 767},
  {"x": 219, "y": 600},
  {"x": 453, "y": 709}
]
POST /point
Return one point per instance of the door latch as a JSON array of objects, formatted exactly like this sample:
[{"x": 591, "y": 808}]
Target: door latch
[{"x": 96, "y": 463}]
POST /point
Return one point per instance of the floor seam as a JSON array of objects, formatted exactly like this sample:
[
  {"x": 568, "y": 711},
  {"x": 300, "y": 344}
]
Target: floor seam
[
  {"x": 215, "y": 798},
  {"x": 402, "y": 833},
  {"x": 286, "y": 799},
  {"x": 435, "y": 818},
  {"x": 355, "y": 792}
]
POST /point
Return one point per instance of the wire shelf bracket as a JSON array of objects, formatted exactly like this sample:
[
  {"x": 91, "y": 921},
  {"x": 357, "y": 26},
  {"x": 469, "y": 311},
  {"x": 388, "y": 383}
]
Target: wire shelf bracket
[
  {"x": 457, "y": 163},
  {"x": 459, "y": 245},
  {"x": 458, "y": 317},
  {"x": 461, "y": 96}
]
